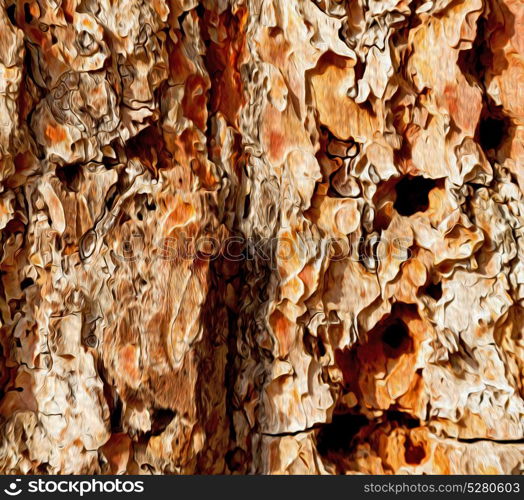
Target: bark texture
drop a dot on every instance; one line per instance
(261, 236)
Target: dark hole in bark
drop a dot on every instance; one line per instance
(473, 62)
(161, 418)
(27, 13)
(109, 162)
(235, 459)
(320, 346)
(396, 335)
(381, 221)
(414, 454)
(412, 195)
(116, 416)
(148, 140)
(434, 290)
(247, 205)
(338, 435)
(26, 282)
(492, 130)
(43, 468)
(200, 10)
(70, 176)
(11, 10)
(402, 419)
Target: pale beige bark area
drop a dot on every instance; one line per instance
(365, 158)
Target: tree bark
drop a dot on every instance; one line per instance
(261, 236)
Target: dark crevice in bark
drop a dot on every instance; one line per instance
(293, 433)
(433, 290)
(412, 194)
(494, 128)
(480, 440)
(160, 419)
(337, 436)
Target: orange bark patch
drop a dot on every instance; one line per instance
(117, 451)
(180, 66)
(441, 460)
(282, 132)
(128, 357)
(276, 143)
(194, 100)
(55, 133)
(283, 330)
(308, 275)
(180, 215)
(68, 7)
(464, 104)
(223, 60)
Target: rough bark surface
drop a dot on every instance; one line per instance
(261, 236)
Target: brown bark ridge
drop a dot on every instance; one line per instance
(261, 236)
